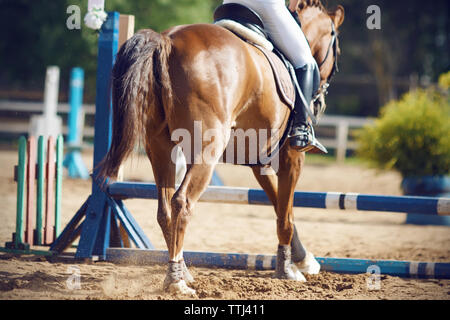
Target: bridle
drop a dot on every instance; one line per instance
(323, 89)
(333, 44)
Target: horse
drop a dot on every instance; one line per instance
(203, 74)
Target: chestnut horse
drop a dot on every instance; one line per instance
(204, 74)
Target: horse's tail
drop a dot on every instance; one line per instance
(140, 81)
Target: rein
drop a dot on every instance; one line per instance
(333, 44)
(323, 89)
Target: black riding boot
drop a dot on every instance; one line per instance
(302, 133)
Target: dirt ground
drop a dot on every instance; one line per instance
(236, 228)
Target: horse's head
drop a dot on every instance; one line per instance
(321, 29)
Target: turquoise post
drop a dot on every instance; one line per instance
(73, 161)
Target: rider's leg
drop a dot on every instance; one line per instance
(289, 38)
(302, 135)
(282, 28)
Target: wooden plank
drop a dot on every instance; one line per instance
(126, 31)
(126, 28)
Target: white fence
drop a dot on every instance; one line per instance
(340, 125)
(21, 126)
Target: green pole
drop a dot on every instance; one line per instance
(21, 173)
(40, 190)
(58, 186)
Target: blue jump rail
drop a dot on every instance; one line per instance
(324, 200)
(404, 269)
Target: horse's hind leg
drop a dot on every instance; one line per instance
(195, 182)
(159, 150)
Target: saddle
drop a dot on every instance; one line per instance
(247, 25)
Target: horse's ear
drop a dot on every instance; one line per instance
(338, 16)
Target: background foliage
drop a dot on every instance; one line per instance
(410, 50)
(412, 134)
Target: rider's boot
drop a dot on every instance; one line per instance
(302, 135)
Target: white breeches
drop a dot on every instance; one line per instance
(282, 28)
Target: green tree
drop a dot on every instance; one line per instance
(413, 40)
(34, 36)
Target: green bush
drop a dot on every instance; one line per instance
(444, 81)
(411, 135)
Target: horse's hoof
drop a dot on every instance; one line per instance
(298, 276)
(290, 273)
(285, 269)
(180, 287)
(176, 278)
(187, 275)
(309, 265)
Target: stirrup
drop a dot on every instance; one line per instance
(306, 141)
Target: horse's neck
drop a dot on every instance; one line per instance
(312, 26)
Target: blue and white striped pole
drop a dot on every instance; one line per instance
(406, 269)
(73, 161)
(324, 200)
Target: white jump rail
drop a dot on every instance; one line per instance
(341, 143)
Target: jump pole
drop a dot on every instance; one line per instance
(322, 200)
(405, 269)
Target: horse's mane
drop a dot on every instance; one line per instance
(303, 4)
